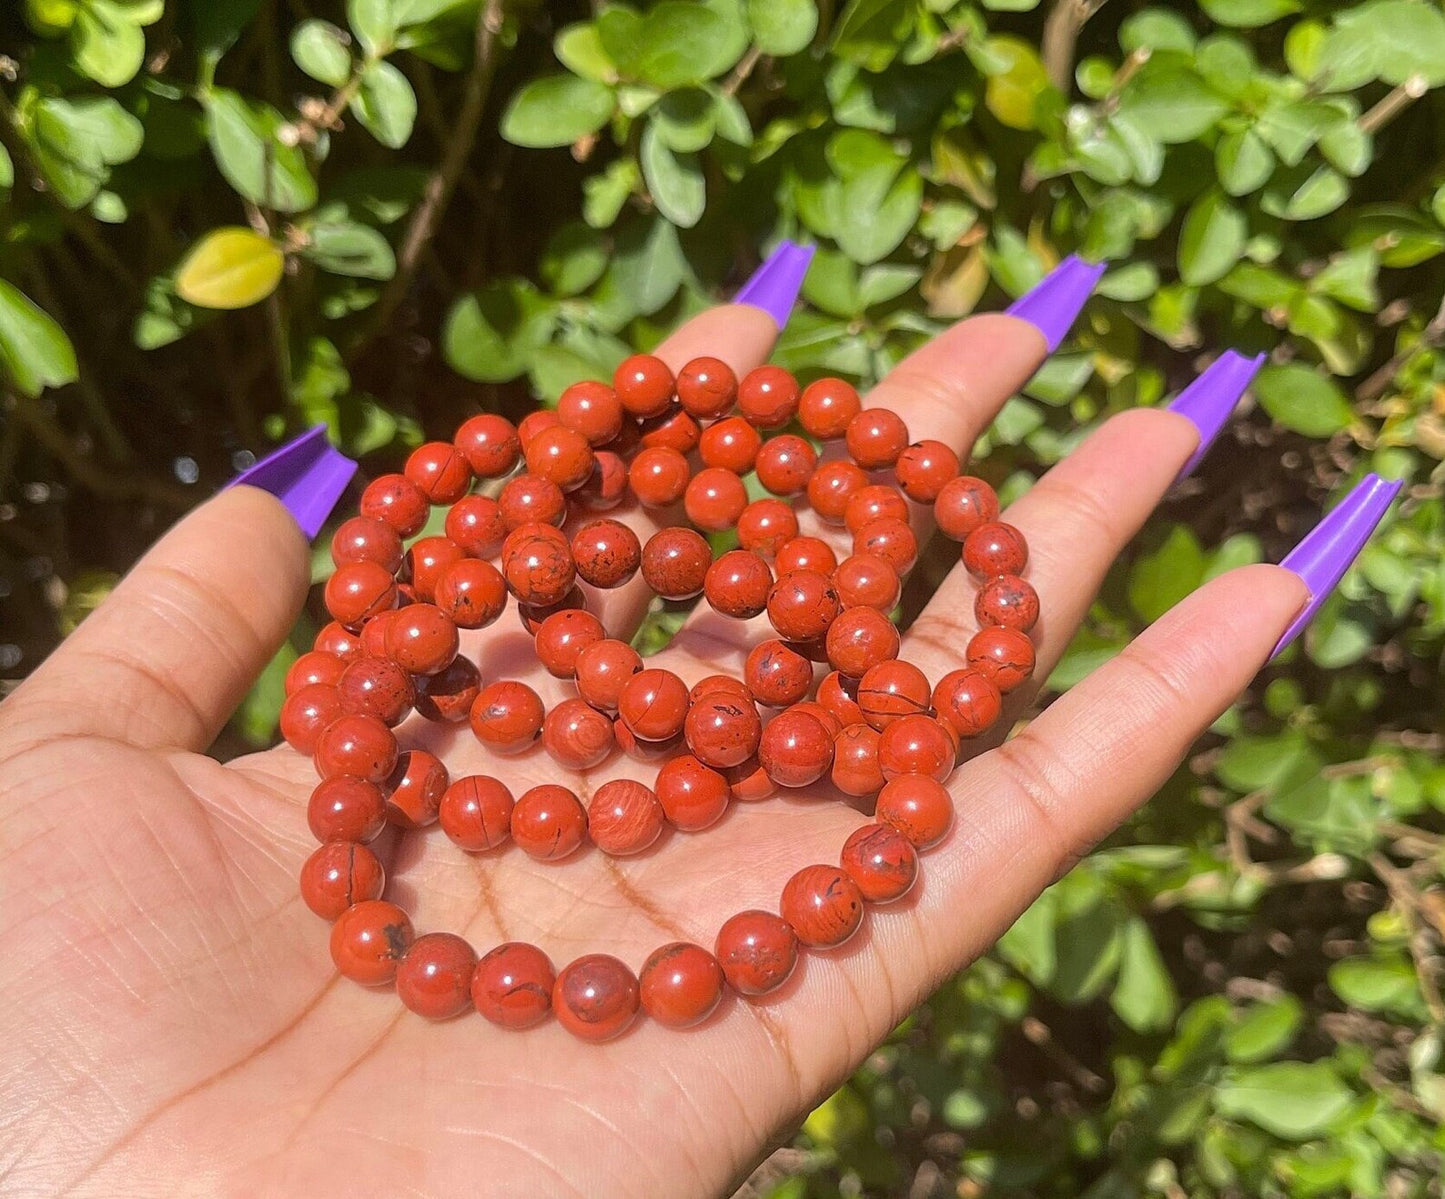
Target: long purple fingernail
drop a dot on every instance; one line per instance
(774, 286)
(1054, 304)
(1209, 400)
(1327, 551)
(308, 475)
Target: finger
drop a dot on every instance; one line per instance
(164, 661)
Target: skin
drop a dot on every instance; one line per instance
(174, 1021)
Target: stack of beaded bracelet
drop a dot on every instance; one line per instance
(875, 727)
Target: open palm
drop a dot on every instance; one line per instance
(177, 1025)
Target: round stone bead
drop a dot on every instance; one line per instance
(768, 397)
(590, 408)
(577, 735)
(358, 591)
(963, 504)
(916, 745)
(395, 500)
(658, 476)
(918, 807)
(802, 604)
(606, 486)
(827, 406)
(507, 717)
(334, 639)
(548, 822)
(865, 580)
(346, 809)
(714, 684)
(644, 384)
(561, 455)
(512, 985)
(435, 978)
(646, 751)
(595, 997)
(490, 444)
(823, 905)
(890, 690)
(439, 471)
(360, 746)
(366, 539)
(968, 701)
(1005, 655)
(531, 616)
(766, 525)
(531, 500)
(924, 468)
(832, 486)
(563, 636)
(537, 563)
(757, 952)
(427, 560)
(606, 553)
(624, 817)
(861, 638)
(675, 429)
(889, 539)
(855, 761)
(535, 422)
(707, 388)
(785, 463)
(750, 782)
(874, 502)
(830, 722)
(475, 524)
(732, 444)
(415, 789)
(653, 704)
(602, 670)
(881, 861)
(448, 695)
(372, 638)
(675, 563)
(840, 696)
(471, 593)
(421, 638)
(995, 549)
(339, 874)
(680, 984)
(369, 940)
(795, 749)
(307, 714)
(476, 812)
(715, 499)
(1007, 601)
(875, 438)
(776, 674)
(722, 730)
(805, 553)
(693, 796)
(737, 584)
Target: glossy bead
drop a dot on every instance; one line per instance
(358, 591)
(475, 524)
(507, 717)
(339, 641)
(658, 476)
(861, 638)
(644, 384)
(918, 807)
(360, 746)
(439, 471)
(535, 422)
(577, 736)
(395, 500)
(732, 444)
(777, 674)
(339, 874)
(561, 455)
(548, 822)
(715, 499)
(415, 789)
(875, 438)
(602, 669)
(606, 487)
(693, 796)
(707, 388)
(537, 563)
(653, 704)
(737, 584)
(595, 997)
(832, 486)
(435, 978)
(750, 782)
(831, 723)
(881, 861)
(874, 502)
(646, 751)
(840, 696)
(867, 580)
(563, 636)
(827, 406)
(680, 984)
(675, 562)
(448, 695)
(529, 500)
(1005, 655)
(765, 525)
(591, 409)
(719, 684)
(314, 666)
(795, 749)
(785, 464)
(805, 553)
(373, 634)
(674, 429)
(427, 560)
(855, 761)
(924, 468)
(822, 905)
(307, 713)
(471, 593)
(768, 397)
(1007, 601)
(490, 445)
(366, 539)
(757, 952)
(963, 504)
(890, 690)
(802, 604)
(722, 730)
(532, 615)
(475, 812)
(624, 817)
(512, 985)
(422, 639)
(968, 701)
(346, 809)
(995, 549)
(891, 540)
(376, 687)
(369, 940)
(916, 744)
(606, 553)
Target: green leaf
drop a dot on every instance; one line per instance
(1294, 127)
(1172, 103)
(231, 267)
(374, 23)
(782, 27)
(674, 180)
(323, 51)
(1319, 194)
(579, 48)
(1302, 399)
(604, 194)
(245, 140)
(491, 335)
(166, 318)
(76, 141)
(574, 259)
(1386, 983)
(1349, 277)
(871, 32)
(7, 169)
(684, 120)
(1160, 580)
(217, 24)
(1244, 162)
(1264, 1030)
(648, 264)
(34, 351)
(678, 42)
(385, 104)
(350, 248)
(1293, 1100)
(1013, 91)
(107, 42)
(556, 111)
(1211, 240)
(1144, 996)
(1029, 946)
(1407, 38)
(1248, 14)
(1156, 29)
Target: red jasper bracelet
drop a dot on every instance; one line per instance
(875, 726)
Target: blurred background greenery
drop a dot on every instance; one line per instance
(226, 220)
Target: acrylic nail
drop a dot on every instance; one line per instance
(308, 475)
(775, 285)
(1328, 550)
(1054, 305)
(1210, 400)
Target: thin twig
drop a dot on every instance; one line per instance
(1392, 105)
(1407, 899)
(1374, 386)
(1061, 33)
(742, 71)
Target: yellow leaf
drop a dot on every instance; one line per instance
(230, 268)
(1010, 94)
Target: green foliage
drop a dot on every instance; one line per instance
(250, 217)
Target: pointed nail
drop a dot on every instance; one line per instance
(1208, 402)
(308, 475)
(1054, 304)
(774, 286)
(1327, 551)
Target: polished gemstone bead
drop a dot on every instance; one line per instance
(916, 744)
(439, 471)
(530, 499)
(369, 940)
(865, 580)
(512, 985)
(881, 861)
(802, 604)
(475, 523)
(376, 687)
(476, 812)
(785, 463)
(874, 502)
(732, 444)
(577, 735)
(435, 977)
(339, 874)
(889, 539)
(776, 674)
(737, 584)
(334, 639)
(422, 638)
(653, 704)
(644, 384)
(693, 796)
(768, 397)
(563, 636)
(805, 553)
(561, 455)
(591, 409)
(757, 952)
(963, 504)
(490, 444)
(924, 468)
(603, 669)
(367, 539)
(471, 593)
(722, 730)
(606, 553)
(427, 560)
(840, 696)
(968, 701)
(360, 746)
(795, 749)
(606, 487)
(832, 486)
(714, 684)
(860, 638)
(658, 476)
(715, 499)
(308, 713)
(766, 525)
(707, 388)
(624, 817)
(890, 690)
(358, 591)
(823, 906)
(372, 638)
(1005, 655)
(830, 722)
(531, 616)
(507, 717)
(346, 809)
(680, 984)
(875, 438)
(995, 549)
(1007, 601)
(595, 997)
(675, 429)
(675, 562)
(537, 563)
(827, 406)
(749, 782)
(415, 789)
(855, 761)
(918, 807)
(395, 500)
(646, 751)
(448, 695)
(549, 822)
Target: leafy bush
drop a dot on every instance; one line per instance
(417, 206)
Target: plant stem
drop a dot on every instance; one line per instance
(1061, 35)
(1392, 105)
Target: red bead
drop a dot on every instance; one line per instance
(750, 782)
(373, 634)
(722, 730)
(606, 486)
(595, 997)
(624, 817)
(366, 539)
(855, 761)
(1005, 655)
(448, 695)
(507, 717)
(439, 471)
(732, 444)
(715, 499)
(435, 978)
(369, 940)
(307, 713)
(881, 861)
(529, 500)
(360, 746)
(512, 985)
(561, 455)
(658, 476)
(963, 504)
(474, 523)
(707, 387)
(719, 684)
(314, 666)
(606, 553)
(768, 397)
(395, 500)
(532, 615)
(840, 696)
(833, 484)
(577, 736)
(802, 604)
(776, 674)
(346, 809)
(1008, 601)
(831, 723)
(476, 812)
(874, 502)
(891, 540)
(796, 749)
(537, 563)
(823, 906)
(334, 639)
(737, 584)
(766, 525)
(358, 591)
(422, 639)
(890, 690)
(757, 952)
(415, 789)
(924, 468)
(866, 580)
(968, 701)
(918, 807)
(875, 438)
(603, 668)
(827, 406)
(376, 687)
(916, 745)
(859, 639)
(471, 593)
(785, 464)
(674, 429)
(548, 822)
(536, 422)
(591, 409)
(805, 553)
(426, 561)
(490, 445)
(680, 985)
(646, 751)
(644, 385)
(994, 549)
(563, 636)
(693, 796)
(675, 562)
(339, 874)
